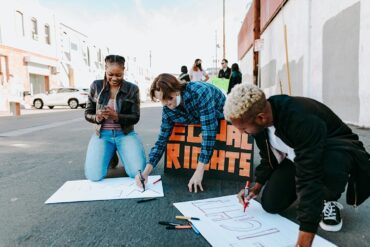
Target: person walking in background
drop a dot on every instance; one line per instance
(225, 71)
(197, 73)
(235, 78)
(114, 107)
(184, 76)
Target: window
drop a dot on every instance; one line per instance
(34, 29)
(52, 91)
(20, 23)
(84, 50)
(74, 46)
(67, 90)
(99, 56)
(66, 44)
(47, 34)
(88, 57)
(4, 70)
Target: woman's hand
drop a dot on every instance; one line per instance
(109, 113)
(197, 178)
(99, 116)
(148, 169)
(253, 192)
(138, 180)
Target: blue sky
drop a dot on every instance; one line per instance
(176, 31)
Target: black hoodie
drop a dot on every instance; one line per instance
(310, 127)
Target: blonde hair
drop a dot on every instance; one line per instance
(245, 101)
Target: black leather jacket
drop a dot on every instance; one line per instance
(127, 100)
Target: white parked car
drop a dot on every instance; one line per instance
(72, 97)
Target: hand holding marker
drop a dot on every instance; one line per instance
(246, 194)
(150, 199)
(142, 180)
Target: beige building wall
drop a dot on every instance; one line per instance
(25, 49)
(329, 50)
(39, 52)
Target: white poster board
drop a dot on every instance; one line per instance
(223, 223)
(106, 189)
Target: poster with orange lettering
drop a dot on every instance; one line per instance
(232, 156)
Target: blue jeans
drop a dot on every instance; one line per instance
(100, 151)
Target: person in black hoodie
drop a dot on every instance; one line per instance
(184, 76)
(307, 154)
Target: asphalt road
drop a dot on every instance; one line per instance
(39, 152)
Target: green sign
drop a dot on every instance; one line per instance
(221, 83)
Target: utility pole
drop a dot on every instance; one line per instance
(216, 48)
(223, 29)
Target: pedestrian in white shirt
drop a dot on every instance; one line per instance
(197, 73)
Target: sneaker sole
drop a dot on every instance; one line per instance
(331, 228)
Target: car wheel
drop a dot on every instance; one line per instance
(51, 106)
(38, 104)
(73, 103)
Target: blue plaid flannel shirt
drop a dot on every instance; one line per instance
(202, 104)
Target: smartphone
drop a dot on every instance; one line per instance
(103, 108)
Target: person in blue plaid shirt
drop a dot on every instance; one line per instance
(186, 103)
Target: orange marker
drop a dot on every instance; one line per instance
(180, 227)
(180, 217)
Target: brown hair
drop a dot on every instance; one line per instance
(167, 84)
(195, 65)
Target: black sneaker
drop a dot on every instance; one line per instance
(330, 218)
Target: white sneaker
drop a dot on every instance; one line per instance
(330, 219)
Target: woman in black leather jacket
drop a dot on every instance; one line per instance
(114, 107)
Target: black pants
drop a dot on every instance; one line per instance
(280, 190)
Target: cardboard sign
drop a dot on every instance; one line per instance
(232, 156)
